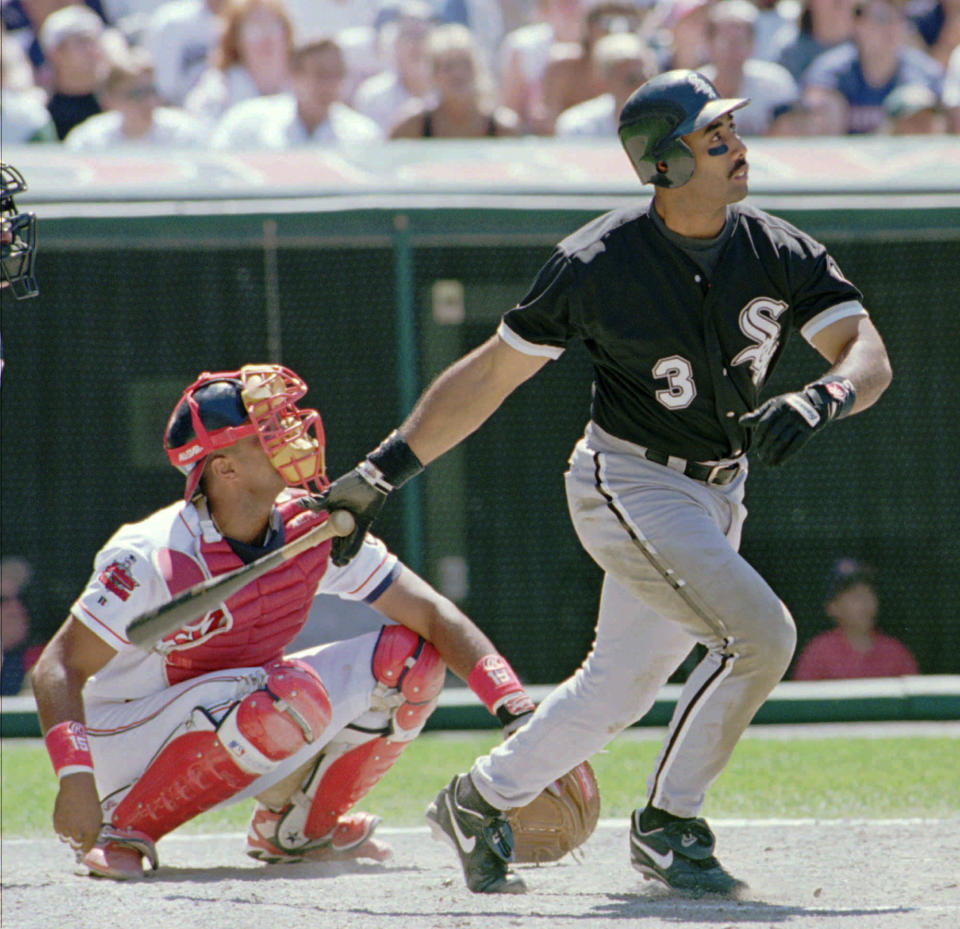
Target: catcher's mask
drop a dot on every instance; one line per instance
(658, 113)
(220, 408)
(19, 240)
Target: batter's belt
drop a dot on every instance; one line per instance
(709, 472)
(720, 473)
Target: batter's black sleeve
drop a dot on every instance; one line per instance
(543, 316)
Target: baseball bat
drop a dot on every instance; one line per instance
(148, 628)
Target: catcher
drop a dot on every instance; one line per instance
(216, 712)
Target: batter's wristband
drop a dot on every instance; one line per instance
(69, 749)
(499, 689)
(395, 460)
(840, 394)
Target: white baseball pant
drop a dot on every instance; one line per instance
(672, 577)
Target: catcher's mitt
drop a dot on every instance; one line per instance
(559, 820)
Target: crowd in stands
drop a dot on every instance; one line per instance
(277, 73)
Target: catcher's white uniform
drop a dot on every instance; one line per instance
(140, 700)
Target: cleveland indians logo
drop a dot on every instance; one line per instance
(758, 322)
(118, 579)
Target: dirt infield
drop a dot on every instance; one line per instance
(802, 875)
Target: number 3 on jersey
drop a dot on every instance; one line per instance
(681, 388)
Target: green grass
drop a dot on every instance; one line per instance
(766, 778)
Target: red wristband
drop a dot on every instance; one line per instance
(68, 748)
(497, 685)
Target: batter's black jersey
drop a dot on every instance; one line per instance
(679, 358)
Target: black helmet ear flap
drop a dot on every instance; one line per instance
(680, 164)
(645, 157)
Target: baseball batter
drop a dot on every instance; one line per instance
(685, 306)
(143, 741)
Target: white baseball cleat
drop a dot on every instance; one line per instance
(351, 838)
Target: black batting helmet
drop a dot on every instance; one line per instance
(19, 239)
(662, 110)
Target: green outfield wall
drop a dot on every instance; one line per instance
(367, 275)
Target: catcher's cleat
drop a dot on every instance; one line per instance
(479, 833)
(680, 854)
(351, 838)
(119, 854)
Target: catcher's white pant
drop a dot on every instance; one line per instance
(668, 547)
(125, 735)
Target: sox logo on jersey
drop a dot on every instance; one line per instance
(758, 322)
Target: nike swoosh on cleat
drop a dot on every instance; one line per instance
(466, 843)
(663, 861)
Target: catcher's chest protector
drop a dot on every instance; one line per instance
(261, 619)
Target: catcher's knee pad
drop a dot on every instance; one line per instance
(290, 710)
(408, 665)
(213, 761)
(409, 677)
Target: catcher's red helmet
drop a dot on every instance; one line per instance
(219, 408)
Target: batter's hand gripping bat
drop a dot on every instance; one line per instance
(150, 627)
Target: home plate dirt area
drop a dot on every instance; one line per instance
(831, 874)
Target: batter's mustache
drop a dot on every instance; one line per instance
(740, 163)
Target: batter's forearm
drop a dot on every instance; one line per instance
(865, 363)
(464, 396)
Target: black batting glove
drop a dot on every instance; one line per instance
(783, 424)
(364, 490)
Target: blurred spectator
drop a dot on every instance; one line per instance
(735, 73)
(914, 109)
(24, 105)
(678, 30)
(855, 648)
(462, 102)
(860, 75)
(938, 23)
(314, 113)
(823, 25)
(951, 91)
(181, 36)
(134, 115)
(524, 54)
(352, 24)
(384, 96)
(19, 654)
(800, 119)
(22, 19)
(624, 62)
(776, 23)
(484, 18)
(130, 16)
(315, 19)
(571, 76)
(70, 39)
(252, 58)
